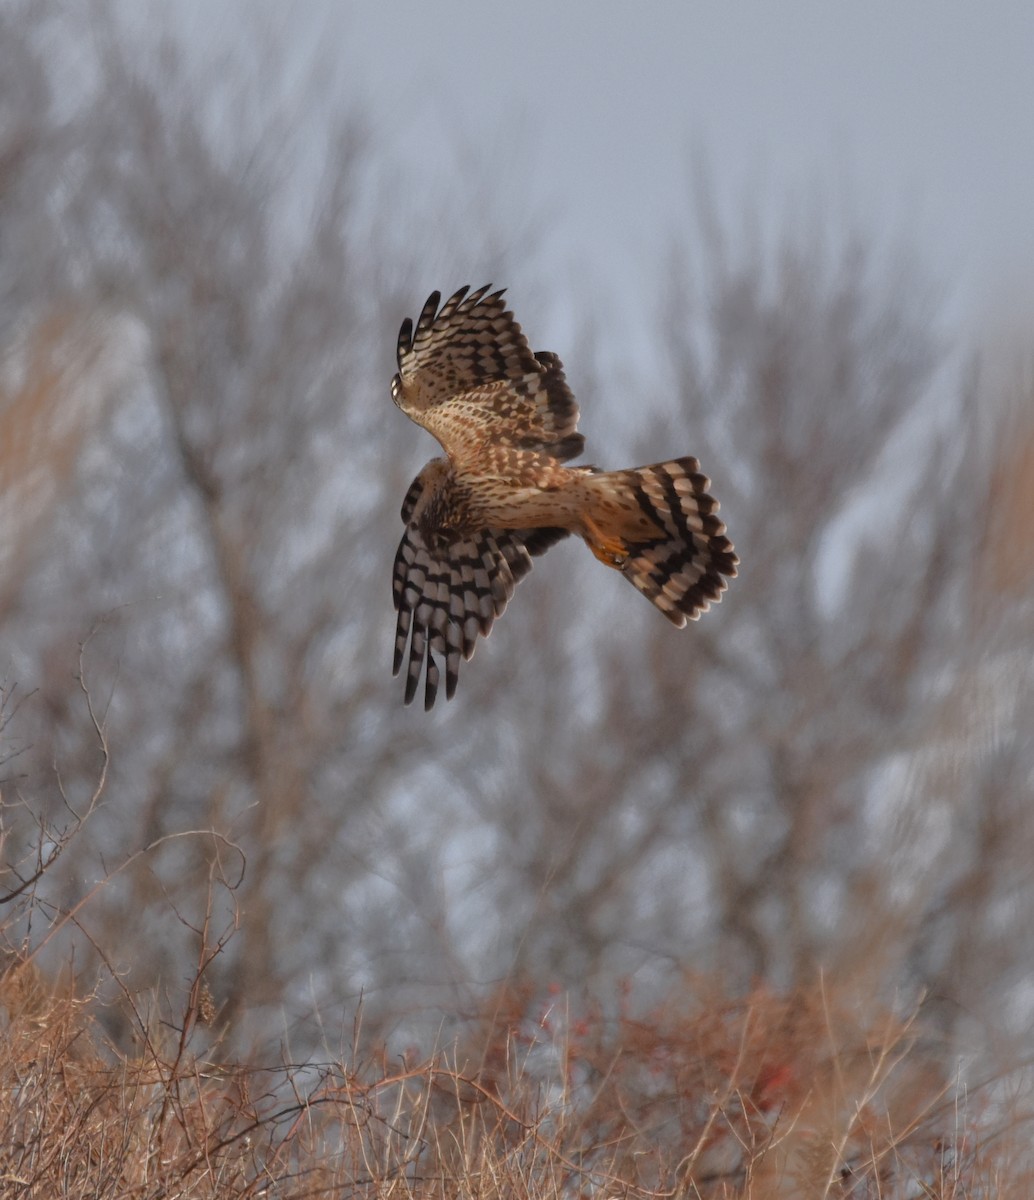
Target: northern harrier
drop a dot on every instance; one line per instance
(507, 422)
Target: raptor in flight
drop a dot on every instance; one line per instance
(474, 519)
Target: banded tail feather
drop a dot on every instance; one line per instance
(658, 525)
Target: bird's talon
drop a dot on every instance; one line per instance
(611, 554)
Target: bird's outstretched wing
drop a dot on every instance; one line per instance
(467, 375)
(448, 590)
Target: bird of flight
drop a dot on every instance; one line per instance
(474, 519)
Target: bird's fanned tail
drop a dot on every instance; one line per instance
(658, 525)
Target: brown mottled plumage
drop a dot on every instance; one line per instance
(507, 422)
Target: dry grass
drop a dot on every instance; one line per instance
(769, 1096)
(541, 1094)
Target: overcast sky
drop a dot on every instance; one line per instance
(915, 117)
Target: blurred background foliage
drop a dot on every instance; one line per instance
(200, 477)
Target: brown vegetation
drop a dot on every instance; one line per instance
(762, 1097)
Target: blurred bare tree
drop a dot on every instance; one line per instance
(831, 771)
(229, 516)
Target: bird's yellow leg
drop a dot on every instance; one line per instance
(610, 550)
